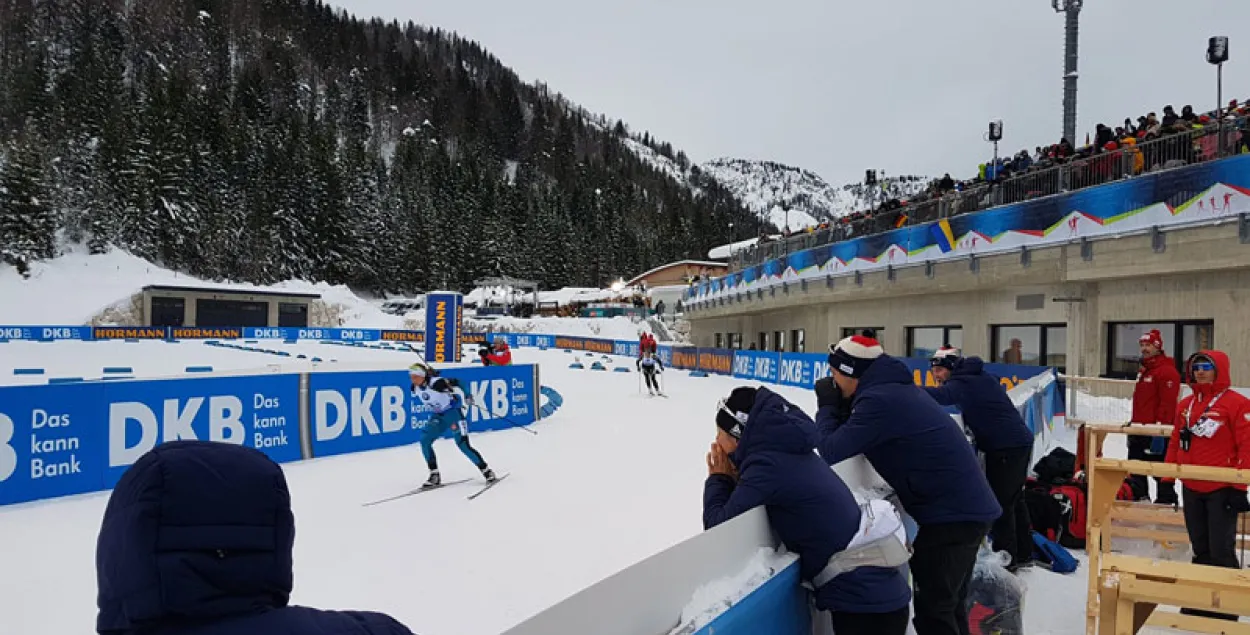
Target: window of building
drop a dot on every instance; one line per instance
(735, 341)
(763, 343)
(1180, 340)
(231, 313)
(720, 341)
(798, 341)
(168, 311)
(924, 341)
(1030, 345)
(779, 341)
(292, 314)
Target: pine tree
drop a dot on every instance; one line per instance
(27, 222)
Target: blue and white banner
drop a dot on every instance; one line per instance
(757, 365)
(45, 333)
(311, 333)
(354, 412)
(626, 348)
(73, 438)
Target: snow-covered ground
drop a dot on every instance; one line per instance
(613, 474)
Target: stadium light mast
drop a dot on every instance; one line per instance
(1072, 27)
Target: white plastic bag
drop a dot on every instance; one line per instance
(995, 596)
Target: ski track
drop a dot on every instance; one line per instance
(613, 477)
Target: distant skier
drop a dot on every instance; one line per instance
(444, 396)
(650, 366)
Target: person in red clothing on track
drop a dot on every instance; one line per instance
(1154, 401)
(497, 355)
(1212, 428)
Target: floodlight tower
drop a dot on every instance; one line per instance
(1072, 24)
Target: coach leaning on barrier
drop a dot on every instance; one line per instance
(871, 406)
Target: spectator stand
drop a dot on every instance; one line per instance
(1148, 146)
(1124, 590)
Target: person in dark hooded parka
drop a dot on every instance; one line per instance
(1000, 432)
(764, 455)
(871, 405)
(196, 540)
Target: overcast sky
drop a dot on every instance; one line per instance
(904, 86)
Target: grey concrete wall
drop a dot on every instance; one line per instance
(1200, 274)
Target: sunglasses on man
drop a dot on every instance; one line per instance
(1205, 367)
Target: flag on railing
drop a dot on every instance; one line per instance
(900, 221)
(943, 235)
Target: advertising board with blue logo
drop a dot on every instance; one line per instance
(358, 411)
(309, 333)
(45, 333)
(626, 348)
(756, 365)
(73, 438)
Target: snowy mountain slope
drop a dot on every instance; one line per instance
(770, 189)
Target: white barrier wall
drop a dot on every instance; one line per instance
(647, 598)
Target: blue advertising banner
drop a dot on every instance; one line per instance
(260, 411)
(66, 439)
(45, 333)
(666, 355)
(757, 365)
(802, 369)
(626, 348)
(336, 334)
(444, 317)
(358, 411)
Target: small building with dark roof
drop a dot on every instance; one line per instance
(207, 306)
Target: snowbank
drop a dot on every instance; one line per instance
(74, 288)
(714, 598)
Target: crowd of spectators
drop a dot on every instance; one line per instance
(1146, 145)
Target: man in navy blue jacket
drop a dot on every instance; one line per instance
(763, 456)
(197, 539)
(999, 432)
(871, 406)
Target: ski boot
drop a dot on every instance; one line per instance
(435, 480)
(489, 475)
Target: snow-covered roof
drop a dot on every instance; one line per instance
(679, 263)
(727, 251)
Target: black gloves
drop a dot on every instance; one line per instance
(827, 393)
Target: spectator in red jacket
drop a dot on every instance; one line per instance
(1154, 402)
(1212, 428)
(497, 355)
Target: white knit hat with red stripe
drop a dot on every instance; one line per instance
(853, 355)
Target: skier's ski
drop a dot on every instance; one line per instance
(419, 490)
(488, 486)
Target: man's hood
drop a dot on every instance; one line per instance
(194, 531)
(1223, 378)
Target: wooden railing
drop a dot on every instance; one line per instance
(1125, 590)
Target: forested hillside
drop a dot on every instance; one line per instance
(270, 139)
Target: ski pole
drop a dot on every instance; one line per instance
(523, 426)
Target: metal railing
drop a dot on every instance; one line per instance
(1171, 150)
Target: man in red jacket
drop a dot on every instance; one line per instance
(1212, 428)
(1154, 402)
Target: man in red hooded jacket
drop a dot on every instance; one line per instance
(1212, 428)
(1154, 401)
